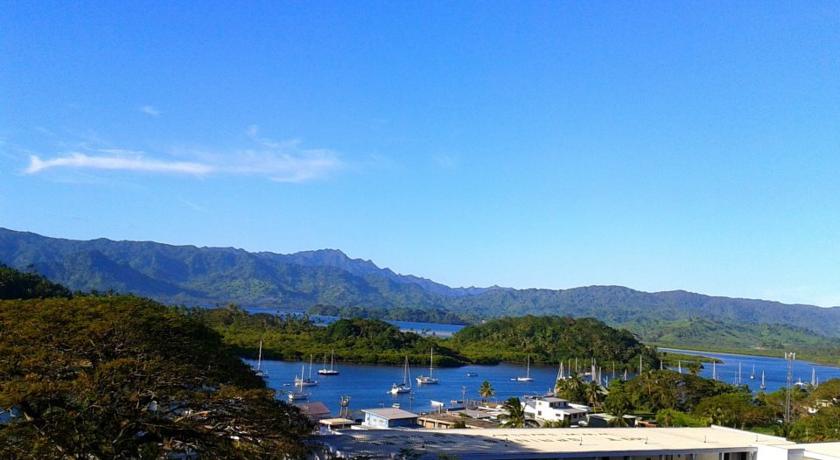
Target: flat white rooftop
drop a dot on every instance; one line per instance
(558, 442)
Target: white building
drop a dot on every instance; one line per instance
(389, 417)
(551, 409)
(713, 443)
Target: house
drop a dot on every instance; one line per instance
(389, 417)
(314, 411)
(453, 420)
(607, 420)
(333, 424)
(551, 409)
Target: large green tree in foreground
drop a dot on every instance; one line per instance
(124, 377)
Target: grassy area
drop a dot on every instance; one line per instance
(832, 360)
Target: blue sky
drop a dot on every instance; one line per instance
(657, 145)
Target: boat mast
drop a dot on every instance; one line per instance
(431, 361)
(528, 368)
(259, 357)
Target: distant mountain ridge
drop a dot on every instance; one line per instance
(210, 276)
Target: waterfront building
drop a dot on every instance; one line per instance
(389, 417)
(607, 420)
(453, 420)
(314, 411)
(335, 424)
(551, 409)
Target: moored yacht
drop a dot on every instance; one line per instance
(405, 386)
(259, 371)
(429, 379)
(304, 381)
(332, 370)
(527, 377)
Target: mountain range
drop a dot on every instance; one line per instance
(205, 276)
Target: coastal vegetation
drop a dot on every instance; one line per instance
(125, 377)
(294, 337)
(546, 340)
(423, 315)
(549, 339)
(677, 400)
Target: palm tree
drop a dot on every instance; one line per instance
(515, 416)
(571, 388)
(593, 393)
(486, 390)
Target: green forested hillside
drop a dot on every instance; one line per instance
(297, 338)
(545, 339)
(548, 339)
(213, 276)
(424, 315)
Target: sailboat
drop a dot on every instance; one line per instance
(405, 386)
(259, 371)
(752, 374)
(679, 366)
(331, 370)
(306, 381)
(299, 394)
(763, 385)
(527, 377)
(429, 379)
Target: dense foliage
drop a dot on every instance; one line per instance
(108, 377)
(297, 338)
(423, 315)
(549, 339)
(680, 400)
(19, 285)
(545, 339)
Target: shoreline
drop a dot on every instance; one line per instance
(835, 362)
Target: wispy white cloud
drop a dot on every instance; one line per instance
(150, 110)
(281, 161)
(136, 163)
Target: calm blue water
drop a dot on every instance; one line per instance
(368, 385)
(775, 369)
